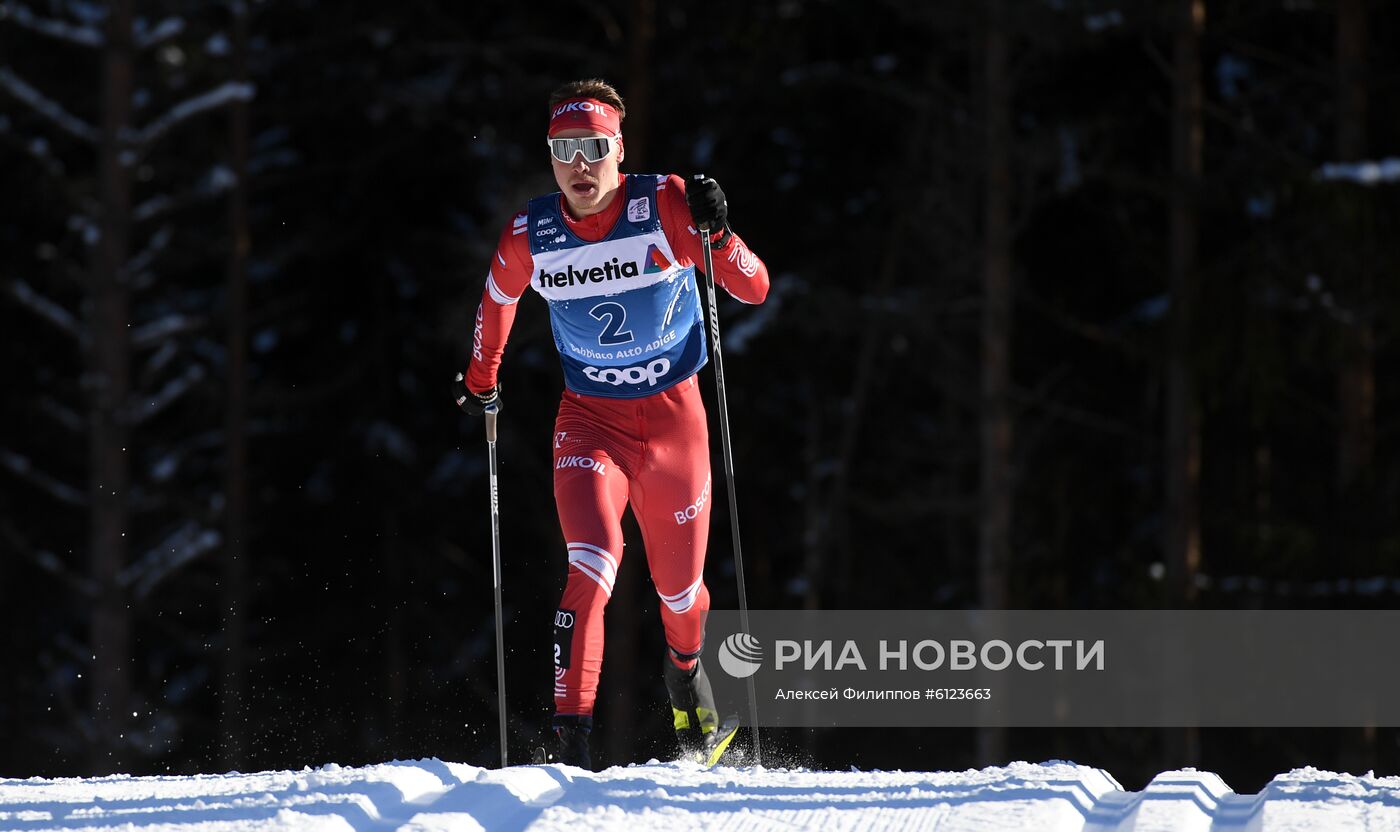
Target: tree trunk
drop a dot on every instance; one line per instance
(109, 361)
(232, 714)
(995, 505)
(817, 509)
(396, 659)
(1182, 530)
(1356, 385)
(637, 140)
(994, 521)
(1183, 450)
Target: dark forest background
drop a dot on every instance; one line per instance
(1075, 304)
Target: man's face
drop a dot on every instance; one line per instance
(588, 187)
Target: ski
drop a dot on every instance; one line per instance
(724, 735)
(715, 748)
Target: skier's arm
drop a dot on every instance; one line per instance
(505, 283)
(737, 269)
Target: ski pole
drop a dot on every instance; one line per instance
(492, 410)
(729, 472)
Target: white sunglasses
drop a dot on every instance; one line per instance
(593, 148)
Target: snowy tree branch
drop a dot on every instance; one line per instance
(148, 335)
(164, 30)
(179, 548)
(36, 148)
(153, 207)
(57, 29)
(158, 361)
(45, 560)
(185, 110)
(46, 309)
(62, 414)
(147, 256)
(147, 407)
(217, 181)
(23, 468)
(36, 100)
(1362, 173)
(86, 11)
(85, 228)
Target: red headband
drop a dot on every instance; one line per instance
(585, 112)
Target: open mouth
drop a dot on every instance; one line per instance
(584, 189)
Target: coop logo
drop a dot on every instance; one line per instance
(651, 373)
(610, 270)
(741, 655)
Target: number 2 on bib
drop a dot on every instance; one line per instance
(614, 316)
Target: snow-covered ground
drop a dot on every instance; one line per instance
(433, 795)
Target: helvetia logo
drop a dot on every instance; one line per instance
(741, 655)
(613, 269)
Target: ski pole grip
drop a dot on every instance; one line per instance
(491, 411)
(705, 227)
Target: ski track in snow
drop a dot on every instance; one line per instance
(431, 795)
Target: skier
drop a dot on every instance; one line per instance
(614, 256)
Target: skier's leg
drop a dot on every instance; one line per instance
(671, 498)
(590, 492)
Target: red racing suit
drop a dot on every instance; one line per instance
(623, 434)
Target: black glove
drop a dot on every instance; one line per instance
(708, 206)
(474, 404)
